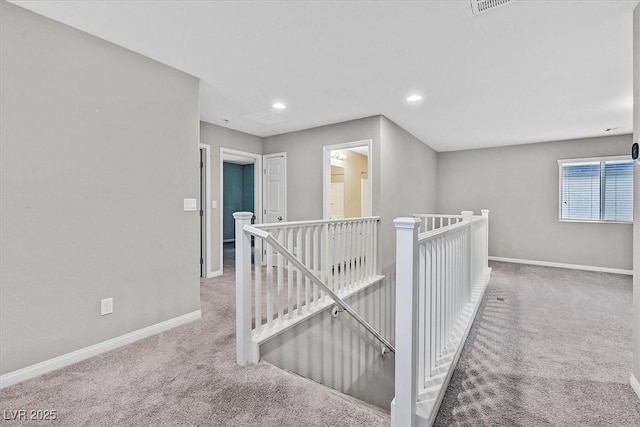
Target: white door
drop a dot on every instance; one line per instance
(275, 188)
(337, 200)
(364, 197)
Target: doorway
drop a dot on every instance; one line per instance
(205, 211)
(347, 180)
(240, 184)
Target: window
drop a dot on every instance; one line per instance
(599, 189)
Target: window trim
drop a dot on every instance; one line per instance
(586, 160)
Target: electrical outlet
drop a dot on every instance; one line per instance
(106, 306)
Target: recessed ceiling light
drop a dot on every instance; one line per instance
(279, 106)
(414, 98)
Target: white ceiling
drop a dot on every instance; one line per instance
(528, 71)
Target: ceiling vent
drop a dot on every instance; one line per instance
(479, 6)
(268, 117)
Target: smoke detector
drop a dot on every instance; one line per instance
(479, 6)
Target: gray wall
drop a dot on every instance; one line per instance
(519, 185)
(220, 137)
(99, 149)
(403, 175)
(304, 162)
(636, 195)
(408, 175)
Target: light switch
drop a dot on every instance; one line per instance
(214, 204)
(190, 205)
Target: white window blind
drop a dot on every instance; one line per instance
(618, 191)
(596, 189)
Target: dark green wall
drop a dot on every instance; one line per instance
(238, 194)
(247, 188)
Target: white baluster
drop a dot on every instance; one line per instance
(423, 336)
(359, 252)
(442, 295)
(317, 233)
(332, 257)
(433, 319)
(327, 262)
(366, 230)
(269, 271)
(258, 288)
(448, 274)
(280, 292)
(289, 233)
(458, 276)
(452, 319)
(337, 268)
(345, 255)
(349, 257)
(374, 245)
(312, 267)
(301, 255)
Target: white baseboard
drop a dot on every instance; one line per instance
(561, 265)
(84, 353)
(635, 385)
(214, 274)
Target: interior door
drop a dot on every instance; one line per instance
(364, 197)
(337, 200)
(275, 188)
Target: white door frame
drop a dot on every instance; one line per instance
(326, 172)
(257, 191)
(283, 154)
(205, 205)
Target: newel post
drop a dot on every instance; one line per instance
(485, 214)
(467, 216)
(406, 381)
(243, 288)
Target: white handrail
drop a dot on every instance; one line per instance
(315, 222)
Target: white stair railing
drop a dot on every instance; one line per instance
(300, 269)
(441, 275)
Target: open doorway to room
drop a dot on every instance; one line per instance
(240, 183)
(347, 180)
(204, 202)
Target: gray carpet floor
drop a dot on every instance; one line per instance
(186, 377)
(549, 347)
